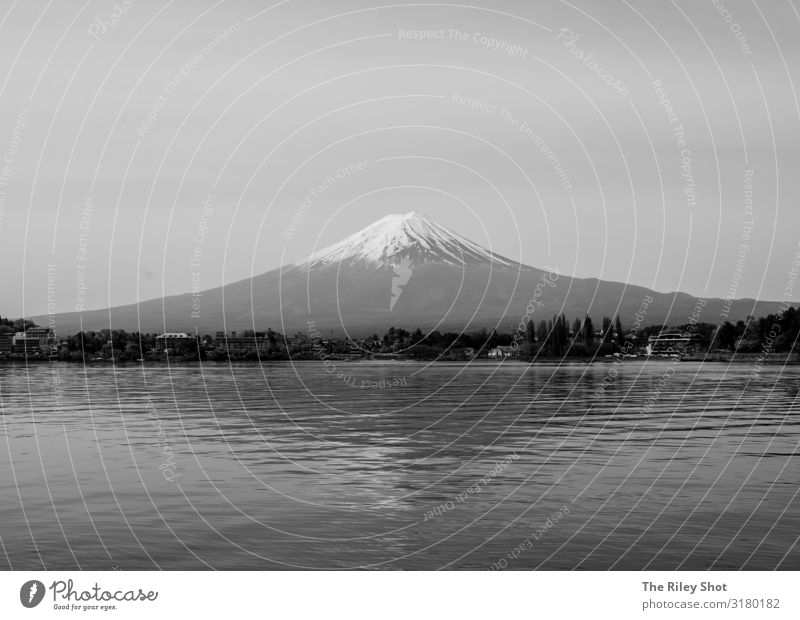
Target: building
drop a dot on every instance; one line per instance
(673, 343)
(33, 341)
(501, 352)
(357, 348)
(172, 342)
(243, 345)
(6, 342)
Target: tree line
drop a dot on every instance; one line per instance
(554, 338)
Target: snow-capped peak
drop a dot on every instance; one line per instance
(404, 235)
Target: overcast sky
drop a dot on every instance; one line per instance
(113, 165)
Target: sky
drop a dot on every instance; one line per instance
(153, 148)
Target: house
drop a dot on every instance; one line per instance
(500, 352)
(357, 348)
(673, 343)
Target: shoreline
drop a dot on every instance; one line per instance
(744, 358)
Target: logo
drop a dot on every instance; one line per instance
(402, 275)
(31, 593)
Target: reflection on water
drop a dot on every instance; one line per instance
(282, 466)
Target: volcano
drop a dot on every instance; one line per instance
(405, 270)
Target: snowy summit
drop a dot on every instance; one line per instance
(411, 236)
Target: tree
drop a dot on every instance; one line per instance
(435, 338)
(541, 336)
(607, 323)
(131, 351)
(564, 335)
(554, 335)
(620, 333)
(119, 338)
(21, 325)
(605, 343)
(402, 336)
(727, 335)
(530, 337)
(588, 333)
(557, 335)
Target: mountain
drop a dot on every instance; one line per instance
(405, 270)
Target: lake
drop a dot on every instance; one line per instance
(400, 465)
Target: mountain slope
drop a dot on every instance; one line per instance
(408, 271)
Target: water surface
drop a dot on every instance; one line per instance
(668, 466)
